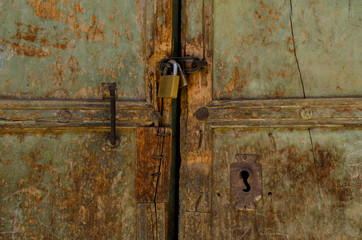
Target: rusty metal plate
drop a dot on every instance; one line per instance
(245, 182)
(153, 164)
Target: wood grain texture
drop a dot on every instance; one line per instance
(45, 113)
(151, 225)
(54, 55)
(328, 112)
(153, 165)
(196, 151)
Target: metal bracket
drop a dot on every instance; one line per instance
(245, 182)
(188, 64)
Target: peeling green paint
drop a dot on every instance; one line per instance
(255, 56)
(71, 47)
(62, 186)
(310, 187)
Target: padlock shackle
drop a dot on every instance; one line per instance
(175, 66)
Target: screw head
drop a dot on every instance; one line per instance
(202, 113)
(155, 117)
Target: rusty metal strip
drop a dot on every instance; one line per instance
(332, 112)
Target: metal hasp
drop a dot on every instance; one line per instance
(188, 64)
(245, 182)
(112, 99)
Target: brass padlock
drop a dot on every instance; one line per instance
(168, 86)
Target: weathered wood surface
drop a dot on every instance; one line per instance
(311, 184)
(327, 112)
(67, 186)
(70, 47)
(286, 48)
(196, 151)
(153, 165)
(151, 222)
(259, 50)
(71, 114)
(57, 54)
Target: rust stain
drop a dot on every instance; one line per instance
(25, 50)
(96, 31)
(109, 73)
(90, 201)
(73, 66)
(32, 159)
(35, 34)
(49, 9)
(29, 34)
(59, 71)
(239, 79)
(269, 18)
(73, 21)
(328, 160)
(24, 117)
(319, 172)
(46, 9)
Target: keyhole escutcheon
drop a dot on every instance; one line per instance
(245, 175)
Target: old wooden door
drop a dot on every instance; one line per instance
(283, 83)
(58, 177)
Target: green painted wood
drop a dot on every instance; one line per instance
(272, 49)
(67, 186)
(70, 47)
(58, 179)
(310, 184)
(304, 53)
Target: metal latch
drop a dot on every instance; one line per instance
(113, 139)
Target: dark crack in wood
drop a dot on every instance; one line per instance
(294, 46)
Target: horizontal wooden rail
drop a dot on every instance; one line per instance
(323, 112)
(64, 114)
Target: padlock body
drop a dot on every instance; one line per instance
(168, 86)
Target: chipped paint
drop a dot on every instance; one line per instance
(66, 196)
(304, 53)
(285, 45)
(44, 35)
(306, 186)
(57, 178)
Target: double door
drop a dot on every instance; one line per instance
(266, 140)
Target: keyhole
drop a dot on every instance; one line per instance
(245, 175)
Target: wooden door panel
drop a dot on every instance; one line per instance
(67, 186)
(310, 184)
(283, 80)
(58, 178)
(71, 47)
(272, 49)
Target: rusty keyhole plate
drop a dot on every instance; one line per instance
(245, 181)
